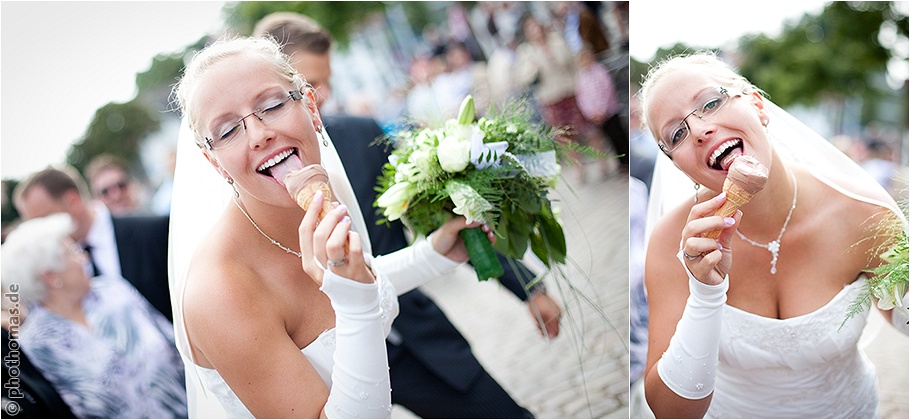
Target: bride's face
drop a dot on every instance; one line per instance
(704, 124)
(248, 147)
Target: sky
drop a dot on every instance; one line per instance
(707, 23)
(63, 60)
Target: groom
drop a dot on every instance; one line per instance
(432, 369)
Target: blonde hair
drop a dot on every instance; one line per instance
(709, 63)
(32, 249)
(265, 49)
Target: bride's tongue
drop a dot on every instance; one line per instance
(727, 159)
(723, 156)
(291, 164)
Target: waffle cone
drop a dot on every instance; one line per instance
(305, 196)
(736, 198)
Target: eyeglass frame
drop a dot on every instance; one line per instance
(293, 95)
(684, 121)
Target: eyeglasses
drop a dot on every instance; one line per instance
(271, 111)
(710, 102)
(120, 185)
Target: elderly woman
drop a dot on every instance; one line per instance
(98, 341)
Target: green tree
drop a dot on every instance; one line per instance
(339, 18)
(831, 56)
(117, 129)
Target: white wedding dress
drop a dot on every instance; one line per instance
(796, 367)
(800, 367)
(320, 354)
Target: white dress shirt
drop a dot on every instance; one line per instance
(103, 242)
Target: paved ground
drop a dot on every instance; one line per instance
(890, 352)
(584, 372)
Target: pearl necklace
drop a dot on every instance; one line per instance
(774, 246)
(274, 242)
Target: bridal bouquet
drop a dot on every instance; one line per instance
(497, 171)
(889, 282)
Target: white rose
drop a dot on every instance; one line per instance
(454, 154)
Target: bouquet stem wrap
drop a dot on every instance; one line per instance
(483, 257)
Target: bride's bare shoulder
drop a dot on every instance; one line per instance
(223, 287)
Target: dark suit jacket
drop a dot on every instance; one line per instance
(142, 247)
(425, 330)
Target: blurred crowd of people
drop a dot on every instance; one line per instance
(569, 59)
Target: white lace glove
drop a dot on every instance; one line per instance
(360, 376)
(413, 266)
(899, 318)
(689, 366)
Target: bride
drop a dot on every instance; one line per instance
(754, 332)
(278, 314)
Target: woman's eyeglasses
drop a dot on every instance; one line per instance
(709, 103)
(268, 113)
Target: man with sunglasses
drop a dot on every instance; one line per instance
(109, 178)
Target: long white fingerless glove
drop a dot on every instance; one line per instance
(413, 266)
(360, 376)
(689, 366)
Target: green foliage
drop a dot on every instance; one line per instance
(833, 55)
(164, 72)
(890, 280)
(340, 19)
(117, 129)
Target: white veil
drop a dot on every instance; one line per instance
(794, 142)
(199, 197)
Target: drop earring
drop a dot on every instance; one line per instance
(321, 135)
(230, 182)
(697, 187)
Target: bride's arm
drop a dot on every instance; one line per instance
(684, 316)
(426, 259)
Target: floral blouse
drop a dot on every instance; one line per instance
(125, 365)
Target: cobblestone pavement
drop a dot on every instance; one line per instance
(584, 372)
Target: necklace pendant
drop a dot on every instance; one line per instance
(774, 247)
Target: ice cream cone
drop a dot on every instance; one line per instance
(736, 198)
(302, 185)
(305, 197)
(746, 176)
